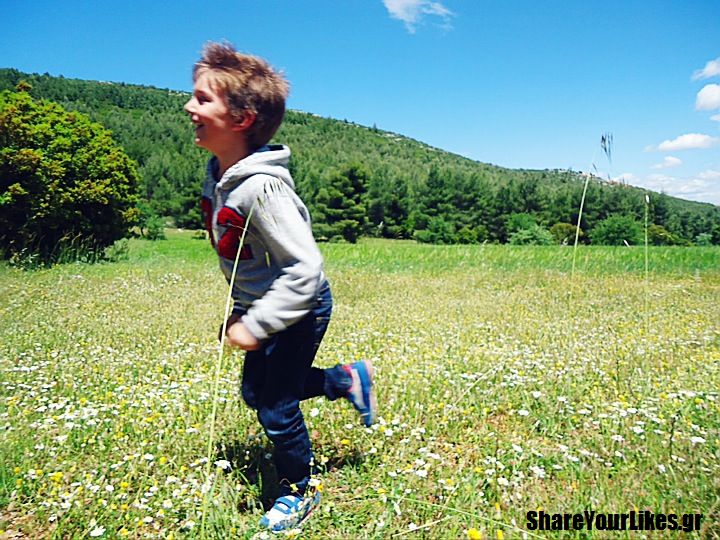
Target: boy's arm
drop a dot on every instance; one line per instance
(290, 243)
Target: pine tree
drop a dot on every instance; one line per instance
(338, 208)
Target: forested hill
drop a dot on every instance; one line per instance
(364, 181)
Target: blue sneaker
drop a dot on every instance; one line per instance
(361, 393)
(289, 512)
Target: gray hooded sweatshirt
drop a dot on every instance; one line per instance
(280, 268)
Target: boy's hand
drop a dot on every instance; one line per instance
(232, 319)
(239, 336)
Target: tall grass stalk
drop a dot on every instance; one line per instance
(216, 381)
(647, 267)
(606, 145)
(577, 229)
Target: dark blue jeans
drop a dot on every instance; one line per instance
(280, 375)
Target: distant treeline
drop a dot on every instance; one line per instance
(360, 181)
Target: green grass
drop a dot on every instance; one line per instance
(504, 387)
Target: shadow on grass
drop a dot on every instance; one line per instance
(252, 460)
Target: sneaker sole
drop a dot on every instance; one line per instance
(313, 506)
(372, 399)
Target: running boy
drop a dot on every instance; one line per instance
(282, 300)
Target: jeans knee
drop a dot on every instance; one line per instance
(281, 422)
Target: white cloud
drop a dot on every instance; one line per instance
(709, 175)
(708, 98)
(658, 182)
(715, 117)
(711, 69)
(704, 187)
(411, 12)
(667, 163)
(659, 177)
(688, 141)
(698, 189)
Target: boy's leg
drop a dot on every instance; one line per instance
(286, 359)
(334, 382)
(351, 381)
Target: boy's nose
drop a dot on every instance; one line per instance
(188, 106)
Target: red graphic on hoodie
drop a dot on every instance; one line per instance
(206, 208)
(229, 242)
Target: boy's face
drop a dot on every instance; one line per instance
(215, 128)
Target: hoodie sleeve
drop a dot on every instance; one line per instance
(287, 235)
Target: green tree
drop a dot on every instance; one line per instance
(64, 183)
(387, 207)
(616, 230)
(519, 221)
(338, 208)
(407, 182)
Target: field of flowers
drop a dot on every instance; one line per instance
(505, 383)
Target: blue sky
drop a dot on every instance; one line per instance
(518, 83)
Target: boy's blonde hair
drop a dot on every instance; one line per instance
(249, 84)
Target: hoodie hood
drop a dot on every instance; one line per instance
(271, 160)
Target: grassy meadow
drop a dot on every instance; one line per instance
(505, 385)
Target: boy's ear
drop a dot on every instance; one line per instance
(243, 123)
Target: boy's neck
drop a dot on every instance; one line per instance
(230, 157)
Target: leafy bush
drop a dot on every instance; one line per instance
(119, 251)
(67, 191)
(535, 235)
(469, 235)
(155, 228)
(564, 233)
(439, 231)
(660, 236)
(616, 230)
(703, 239)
